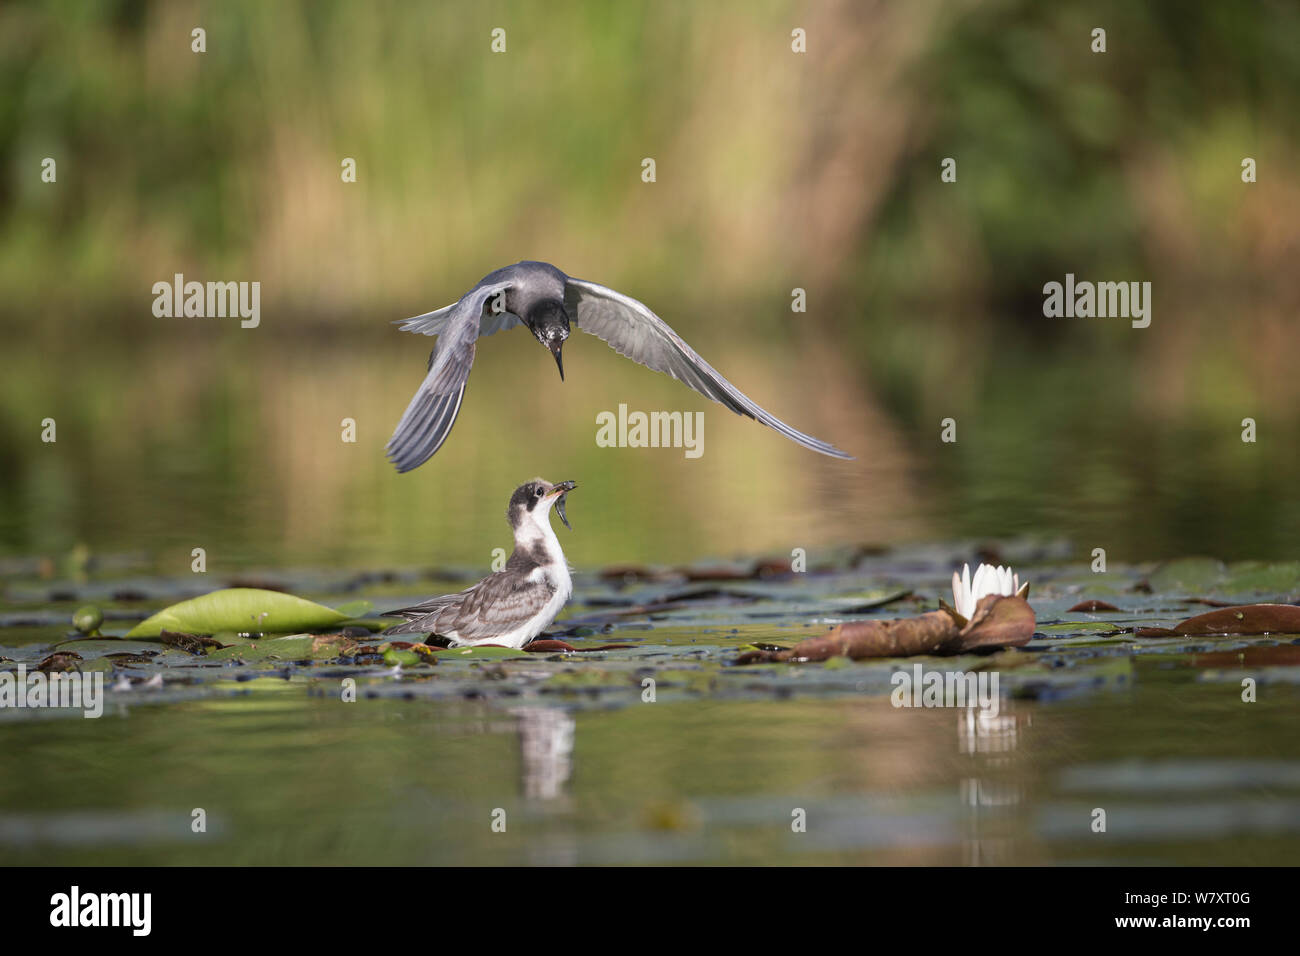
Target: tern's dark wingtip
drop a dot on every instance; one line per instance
(830, 451)
(401, 466)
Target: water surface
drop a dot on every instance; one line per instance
(568, 752)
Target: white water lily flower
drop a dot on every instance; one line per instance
(967, 591)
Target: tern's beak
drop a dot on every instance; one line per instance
(555, 348)
(558, 492)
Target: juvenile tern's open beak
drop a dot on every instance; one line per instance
(559, 491)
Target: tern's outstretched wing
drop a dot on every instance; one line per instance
(428, 418)
(433, 323)
(631, 329)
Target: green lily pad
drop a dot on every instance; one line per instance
(228, 638)
(1187, 575)
(294, 647)
(375, 624)
(356, 609)
(1078, 627)
(91, 647)
(241, 609)
(1281, 577)
(478, 653)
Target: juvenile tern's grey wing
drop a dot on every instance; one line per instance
(421, 618)
(632, 330)
(428, 418)
(496, 605)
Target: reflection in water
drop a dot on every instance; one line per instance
(979, 732)
(303, 780)
(246, 457)
(546, 745)
(992, 796)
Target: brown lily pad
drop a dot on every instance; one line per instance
(716, 574)
(548, 646)
(60, 661)
(195, 644)
(127, 659)
(1093, 606)
(1243, 619)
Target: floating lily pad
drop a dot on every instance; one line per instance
(296, 647)
(478, 653)
(356, 609)
(89, 647)
(1188, 575)
(1093, 605)
(1243, 619)
(1078, 627)
(241, 609)
(1282, 577)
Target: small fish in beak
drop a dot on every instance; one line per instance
(562, 489)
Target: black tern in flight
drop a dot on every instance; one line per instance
(511, 606)
(540, 296)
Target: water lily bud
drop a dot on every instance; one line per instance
(87, 619)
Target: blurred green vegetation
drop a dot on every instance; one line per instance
(774, 170)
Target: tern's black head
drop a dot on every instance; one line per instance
(536, 498)
(550, 324)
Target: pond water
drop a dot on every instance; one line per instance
(496, 756)
(186, 439)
